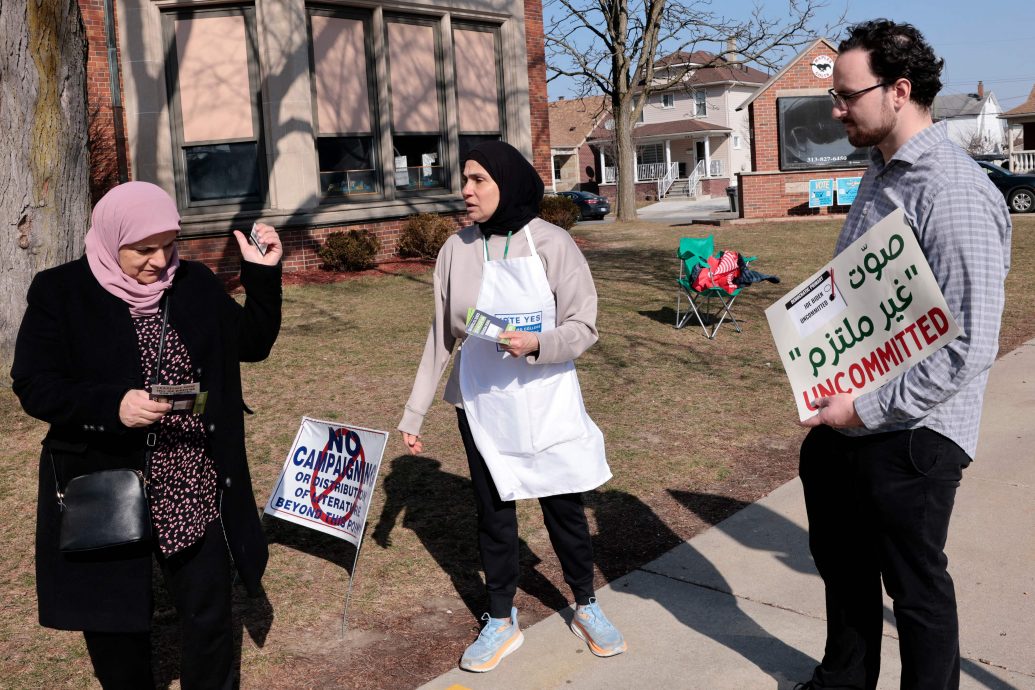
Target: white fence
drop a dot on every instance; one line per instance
(1022, 161)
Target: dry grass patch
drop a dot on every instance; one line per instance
(695, 428)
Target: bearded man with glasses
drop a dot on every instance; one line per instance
(880, 470)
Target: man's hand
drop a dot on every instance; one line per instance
(837, 411)
(137, 409)
(520, 343)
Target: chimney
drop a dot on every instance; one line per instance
(731, 49)
(981, 90)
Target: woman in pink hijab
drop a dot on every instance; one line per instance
(100, 338)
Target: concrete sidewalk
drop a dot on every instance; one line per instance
(741, 606)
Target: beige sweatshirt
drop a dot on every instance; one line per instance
(458, 278)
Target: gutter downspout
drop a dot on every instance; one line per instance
(116, 93)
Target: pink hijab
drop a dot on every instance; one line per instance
(129, 213)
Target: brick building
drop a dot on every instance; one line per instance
(310, 117)
(795, 139)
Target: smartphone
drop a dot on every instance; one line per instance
(254, 237)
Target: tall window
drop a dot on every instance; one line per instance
(416, 105)
(650, 153)
(476, 51)
(668, 100)
(213, 82)
(342, 100)
(700, 104)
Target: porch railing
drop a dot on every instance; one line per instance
(695, 179)
(610, 174)
(646, 172)
(667, 179)
(1022, 161)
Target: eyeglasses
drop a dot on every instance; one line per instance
(841, 100)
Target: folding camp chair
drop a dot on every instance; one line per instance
(693, 252)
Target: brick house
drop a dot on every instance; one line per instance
(795, 139)
(575, 160)
(313, 118)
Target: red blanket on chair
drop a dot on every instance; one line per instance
(724, 270)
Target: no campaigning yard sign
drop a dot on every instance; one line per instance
(873, 312)
(328, 478)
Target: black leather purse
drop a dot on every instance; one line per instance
(108, 508)
(103, 509)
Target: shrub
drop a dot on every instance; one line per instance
(423, 235)
(559, 210)
(349, 251)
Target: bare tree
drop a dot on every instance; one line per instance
(615, 47)
(44, 189)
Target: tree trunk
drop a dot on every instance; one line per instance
(44, 190)
(626, 187)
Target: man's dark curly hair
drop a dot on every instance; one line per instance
(898, 51)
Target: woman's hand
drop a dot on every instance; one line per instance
(268, 236)
(137, 409)
(520, 343)
(413, 443)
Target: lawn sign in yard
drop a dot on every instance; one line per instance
(874, 311)
(328, 480)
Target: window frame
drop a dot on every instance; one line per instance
(700, 103)
(187, 207)
(366, 17)
(501, 101)
(445, 152)
(668, 100)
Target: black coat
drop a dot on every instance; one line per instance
(75, 357)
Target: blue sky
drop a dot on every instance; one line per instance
(989, 40)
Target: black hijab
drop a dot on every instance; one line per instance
(521, 188)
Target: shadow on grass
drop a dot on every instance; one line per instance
(253, 615)
(439, 508)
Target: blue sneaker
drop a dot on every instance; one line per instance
(497, 639)
(590, 623)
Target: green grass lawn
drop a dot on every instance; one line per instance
(695, 430)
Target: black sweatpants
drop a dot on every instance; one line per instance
(565, 519)
(879, 509)
(199, 580)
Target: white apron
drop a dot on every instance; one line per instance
(528, 421)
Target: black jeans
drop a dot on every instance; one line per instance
(879, 508)
(199, 580)
(565, 519)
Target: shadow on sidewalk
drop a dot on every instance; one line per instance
(624, 522)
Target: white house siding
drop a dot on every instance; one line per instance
(985, 129)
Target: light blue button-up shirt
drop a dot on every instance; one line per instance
(963, 226)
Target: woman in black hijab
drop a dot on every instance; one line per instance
(519, 406)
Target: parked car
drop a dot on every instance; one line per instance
(590, 205)
(1019, 190)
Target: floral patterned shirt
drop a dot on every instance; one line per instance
(182, 485)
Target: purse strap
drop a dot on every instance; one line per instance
(152, 437)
